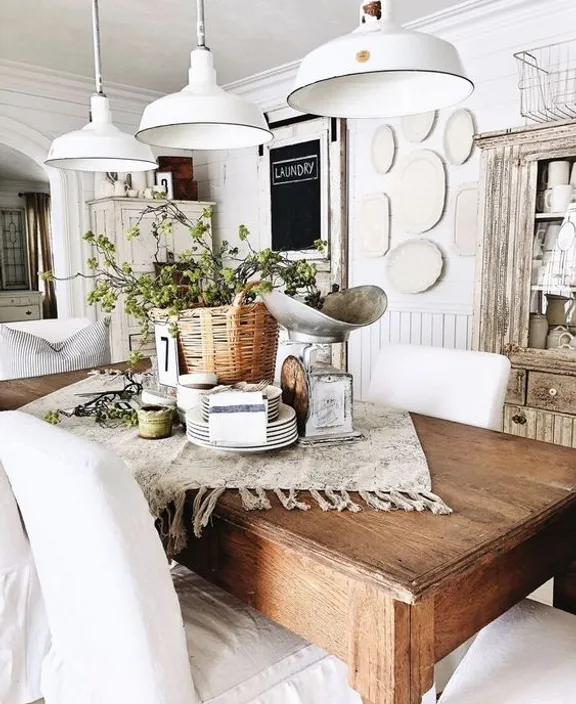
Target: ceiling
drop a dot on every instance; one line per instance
(15, 166)
(146, 43)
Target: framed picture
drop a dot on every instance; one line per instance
(164, 179)
(302, 184)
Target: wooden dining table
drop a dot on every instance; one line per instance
(393, 593)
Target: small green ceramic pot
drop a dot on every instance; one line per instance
(155, 422)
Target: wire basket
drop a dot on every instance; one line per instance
(548, 82)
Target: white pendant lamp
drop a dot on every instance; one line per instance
(100, 145)
(202, 115)
(380, 70)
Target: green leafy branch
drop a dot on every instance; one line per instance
(203, 276)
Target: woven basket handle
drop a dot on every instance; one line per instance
(240, 298)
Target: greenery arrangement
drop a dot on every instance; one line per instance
(203, 275)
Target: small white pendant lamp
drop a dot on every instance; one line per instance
(202, 115)
(100, 145)
(380, 70)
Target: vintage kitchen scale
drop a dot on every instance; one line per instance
(321, 394)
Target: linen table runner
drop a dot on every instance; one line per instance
(387, 470)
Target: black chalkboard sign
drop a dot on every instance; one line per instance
(295, 194)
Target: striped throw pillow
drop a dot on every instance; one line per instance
(24, 355)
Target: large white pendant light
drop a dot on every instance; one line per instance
(202, 115)
(100, 145)
(380, 70)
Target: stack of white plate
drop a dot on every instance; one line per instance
(280, 432)
(273, 394)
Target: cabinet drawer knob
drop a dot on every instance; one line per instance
(28, 312)
(553, 392)
(519, 419)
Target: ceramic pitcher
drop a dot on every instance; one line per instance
(556, 310)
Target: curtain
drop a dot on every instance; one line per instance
(39, 241)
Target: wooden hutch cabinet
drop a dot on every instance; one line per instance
(526, 277)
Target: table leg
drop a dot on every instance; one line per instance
(390, 647)
(565, 590)
(428, 698)
(387, 644)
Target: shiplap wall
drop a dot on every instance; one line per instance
(487, 33)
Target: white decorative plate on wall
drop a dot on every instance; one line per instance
(466, 219)
(420, 191)
(414, 266)
(459, 137)
(417, 127)
(374, 224)
(383, 149)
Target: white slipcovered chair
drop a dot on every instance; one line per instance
(457, 385)
(527, 656)
(117, 631)
(24, 633)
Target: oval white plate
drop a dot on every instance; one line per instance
(250, 450)
(466, 220)
(459, 137)
(383, 149)
(414, 266)
(420, 192)
(374, 224)
(417, 128)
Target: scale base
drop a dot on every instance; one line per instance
(335, 439)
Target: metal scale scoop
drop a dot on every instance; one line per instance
(321, 394)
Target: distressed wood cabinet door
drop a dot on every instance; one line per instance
(542, 390)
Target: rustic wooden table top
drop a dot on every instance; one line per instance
(502, 489)
(393, 593)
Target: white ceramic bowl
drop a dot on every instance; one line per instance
(149, 398)
(199, 380)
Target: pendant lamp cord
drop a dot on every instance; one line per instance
(96, 38)
(200, 27)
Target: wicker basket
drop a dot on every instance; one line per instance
(238, 342)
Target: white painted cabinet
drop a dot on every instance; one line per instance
(113, 217)
(16, 306)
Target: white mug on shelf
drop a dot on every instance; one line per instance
(558, 173)
(558, 198)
